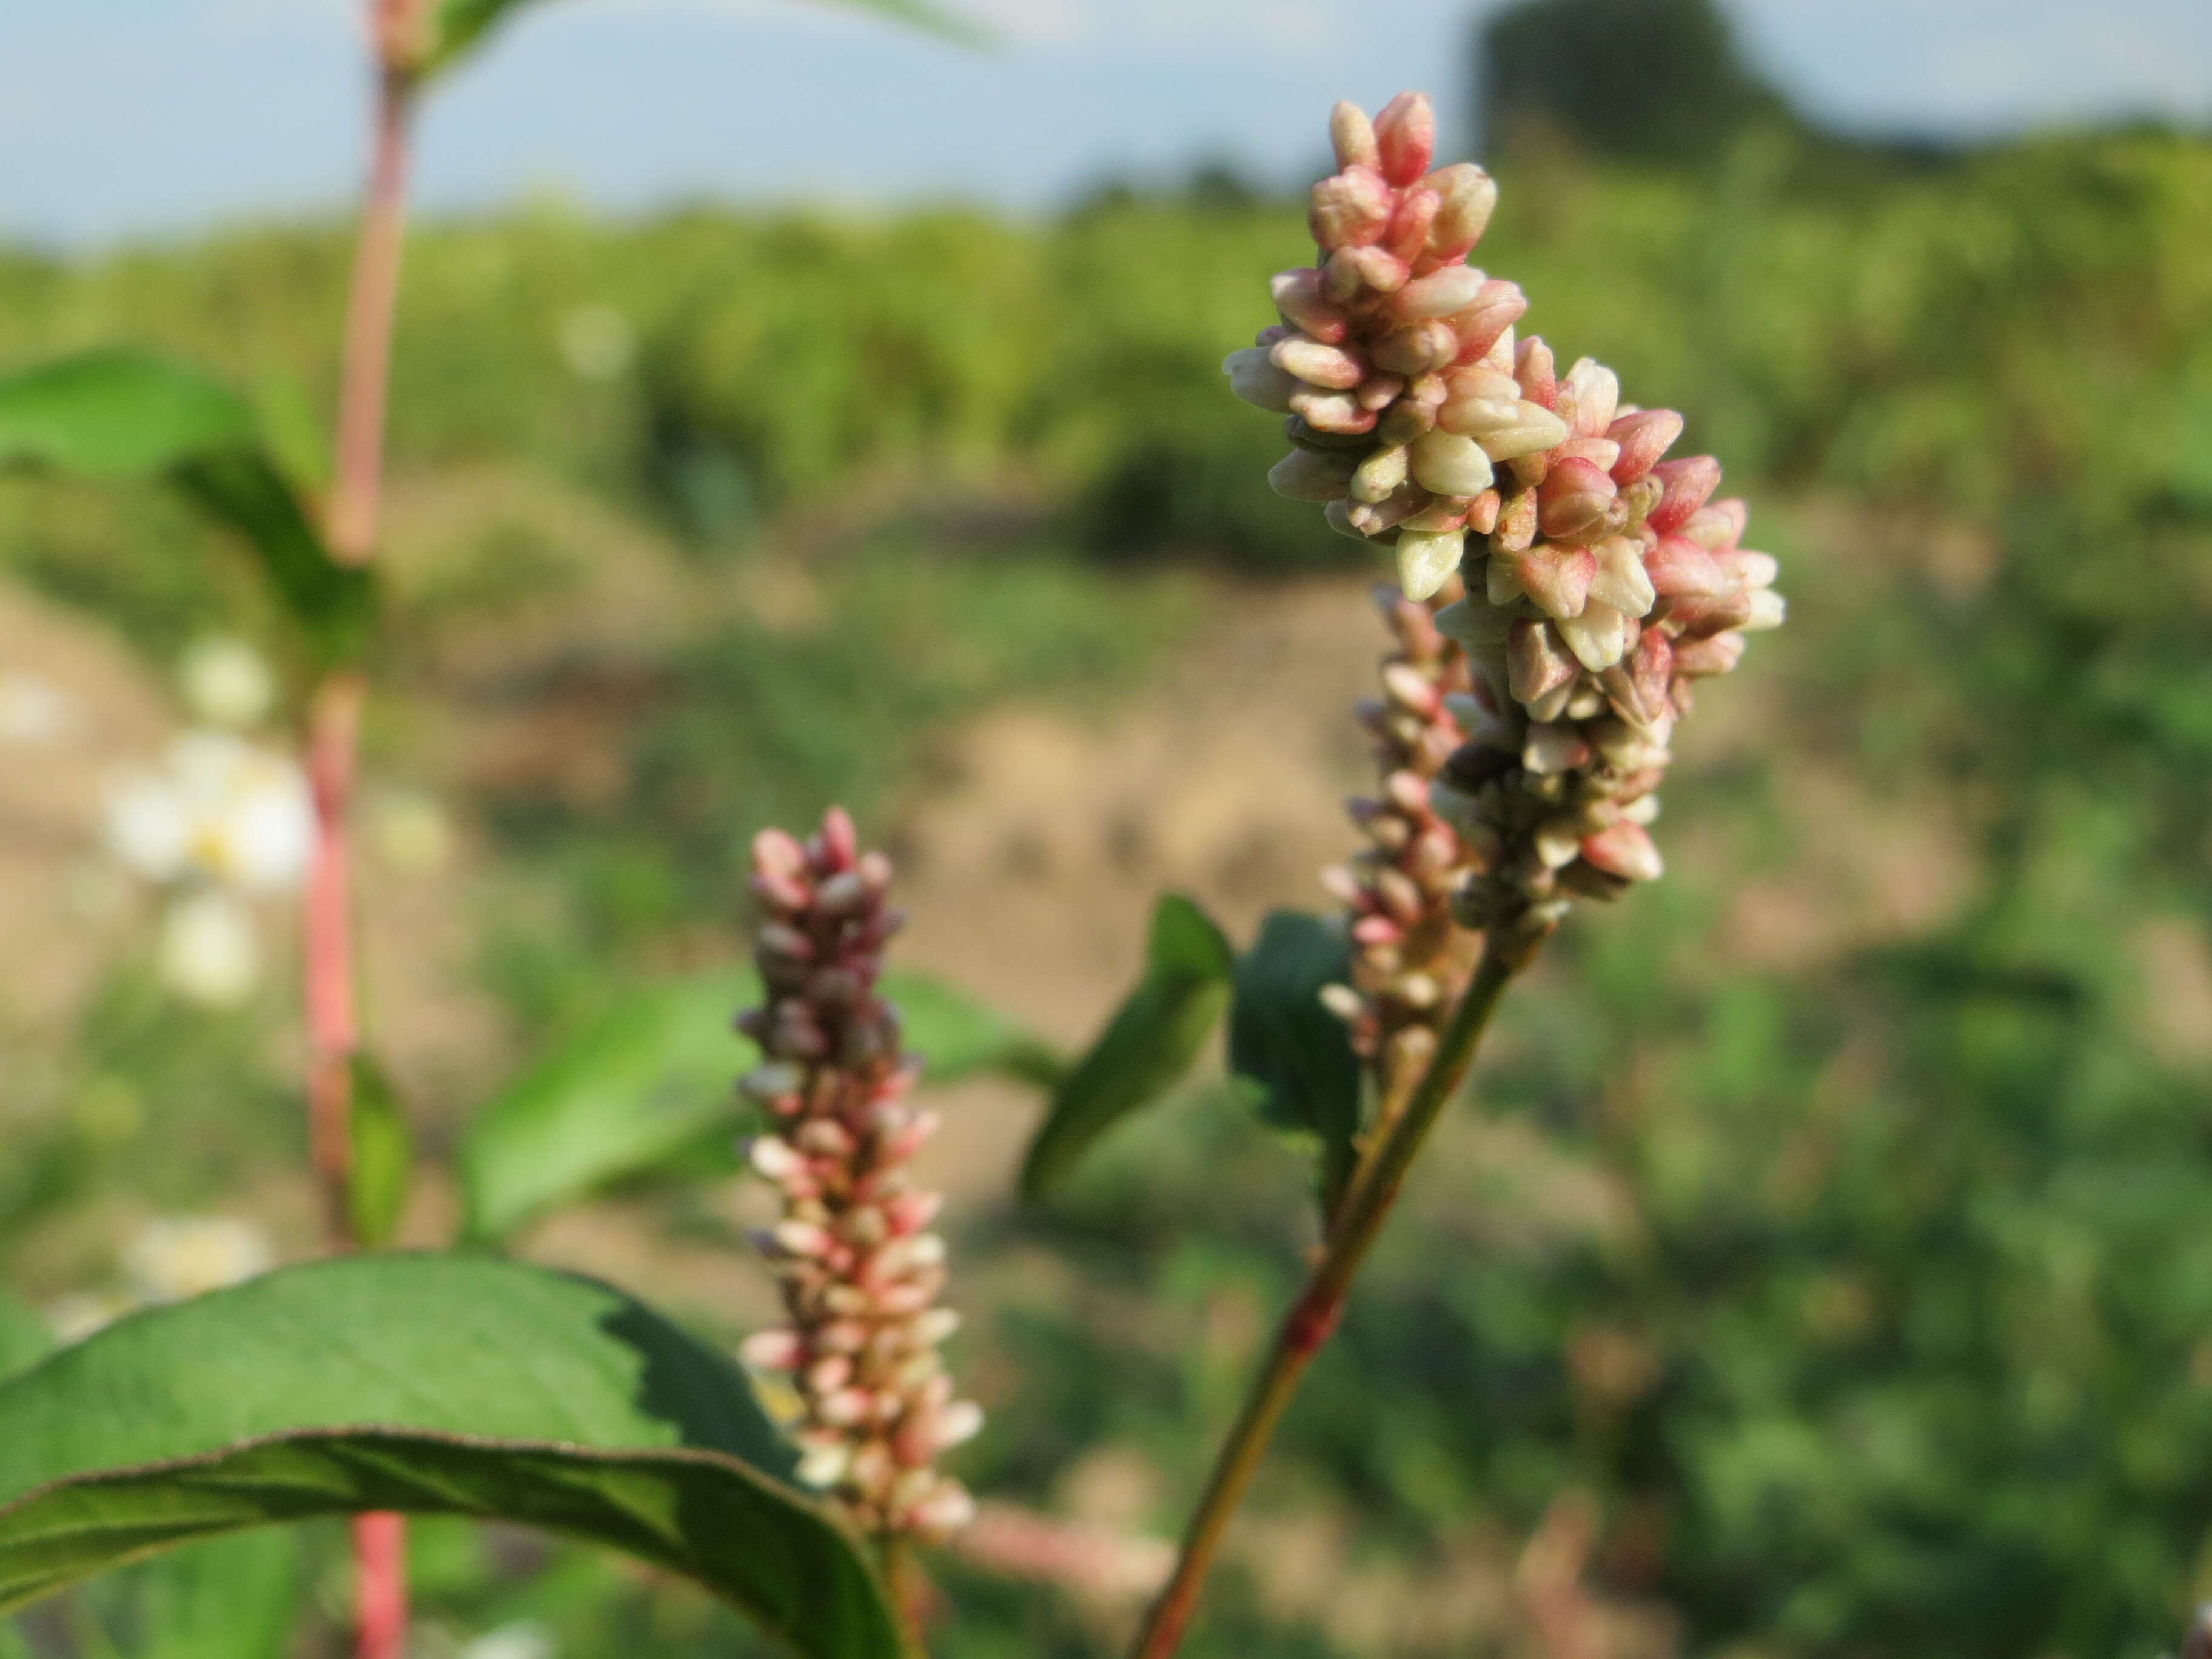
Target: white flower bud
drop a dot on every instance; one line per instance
(1426, 560)
(1450, 465)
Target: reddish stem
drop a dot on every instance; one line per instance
(334, 721)
(366, 370)
(1313, 1317)
(380, 1554)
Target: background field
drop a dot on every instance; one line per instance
(1828, 1227)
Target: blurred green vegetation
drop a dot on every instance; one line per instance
(1846, 1243)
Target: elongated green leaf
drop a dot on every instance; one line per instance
(655, 1076)
(462, 24)
(1297, 1052)
(1145, 1048)
(426, 1383)
(383, 1166)
(118, 414)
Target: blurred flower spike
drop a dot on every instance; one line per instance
(861, 1272)
(216, 820)
(1601, 580)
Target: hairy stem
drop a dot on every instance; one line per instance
(334, 720)
(1313, 1316)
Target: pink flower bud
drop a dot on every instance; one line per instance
(1626, 851)
(1468, 196)
(1439, 295)
(1497, 306)
(1297, 295)
(1700, 658)
(1557, 575)
(1687, 482)
(1417, 348)
(1351, 209)
(1406, 134)
(1573, 501)
(839, 842)
(777, 1349)
(1679, 569)
(1533, 368)
(1643, 437)
(1407, 236)
(1331, 368)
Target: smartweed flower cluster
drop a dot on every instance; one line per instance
(1409, 960)
(1601, 580)
(861, 1272)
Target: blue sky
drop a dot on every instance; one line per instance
(123, 118)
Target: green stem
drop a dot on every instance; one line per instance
(1313, 1316)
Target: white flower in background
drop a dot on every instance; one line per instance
(34, 711)
(171, 1258)
(217, 809)
(209, 953)
(597, 342)
(176, 1257)
(225, 682)
(516, 1641)
(73, 1318)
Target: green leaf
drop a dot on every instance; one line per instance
(643, 1086)
(431, 1384)
(462, 24)
(233, 1596)
(1145, 1048)
(118, 414)
(383, 1165)
(24, 1338)
(1297, 1052)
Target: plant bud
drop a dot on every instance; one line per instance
(1450, 465)
(1643, 437)
(1303, 476)
(1599, 635)
(1417, 348)
(1687, 483)
(1405, 136)
(1679, 569)
(1536, 662)
(1625, 851)
(1621, 580)
(1333, 368)
(1469, 195)
(1426, 560)
(1453, 288)
(1718, 654)
(1254, 377)
(1596, 392)
(1380, 475)
(1572, 502)
(1557, 575)
(1350, 209)
(1407, 236)
(1297, 295)
(1352, 136)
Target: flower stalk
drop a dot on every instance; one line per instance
(1313, 1317)
(352, 517)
